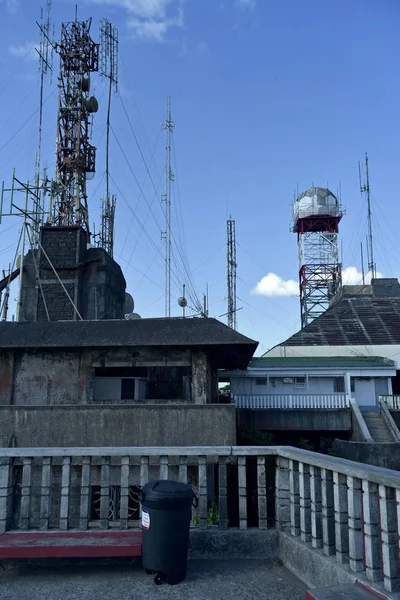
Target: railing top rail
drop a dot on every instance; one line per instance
(346, 467)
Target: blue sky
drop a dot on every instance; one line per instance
(267, 96)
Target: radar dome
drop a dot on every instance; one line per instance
(316, 201)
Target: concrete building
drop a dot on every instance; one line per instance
(122, 382)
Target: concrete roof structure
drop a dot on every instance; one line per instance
(226, 347)
(323, 362)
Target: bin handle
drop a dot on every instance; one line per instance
(195, 501)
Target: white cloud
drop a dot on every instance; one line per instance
(273, 285)
(246, 4)
(150, 19)
(11, 5)
(26, 51)
(352, 276)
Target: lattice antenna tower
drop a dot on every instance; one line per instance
(365, 190)
(231, 273)
(76, 157)
(108, 65)
(168, 126)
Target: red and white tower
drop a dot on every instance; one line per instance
(316, 217)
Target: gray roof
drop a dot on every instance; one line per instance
(310, 362)
(228, 348)
(356, 320)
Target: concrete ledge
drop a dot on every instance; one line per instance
(234, 543)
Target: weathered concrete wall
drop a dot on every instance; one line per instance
(296, 420)
(6, 376)
(381, 455)
(148, 425)
(47, 378)
(204, 379)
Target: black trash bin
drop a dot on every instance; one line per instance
(166, 514)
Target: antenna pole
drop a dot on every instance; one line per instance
(231, 273)
(109, 69)
(169, 177)
(362, 265)
(366, 189)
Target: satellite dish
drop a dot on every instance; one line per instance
(182, 302)
(86, 84)
(129, 303)
(18, 261)
(132, 317)
(89, 176)
(91, 104)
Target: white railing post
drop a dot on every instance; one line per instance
(328, 512)
(341, 517)
(65, 485)
(356, 547)
(182, 469)
(222, 493)
(45, 499)
(282, 494)
(389, 538)
(163, 467)
(124, 493)
(371, 531)
(105, 492)
(316, 507)
(305, 502)
(261, 493)
(84, 513)
(294, 498)
(26, 492)
(202, 477)
(242, 492)
(6, 493)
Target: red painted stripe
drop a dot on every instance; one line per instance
(37, 544)
(367, 588)
(309, 596)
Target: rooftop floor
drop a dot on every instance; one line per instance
(206, 580)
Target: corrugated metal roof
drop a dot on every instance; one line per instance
(338, 362)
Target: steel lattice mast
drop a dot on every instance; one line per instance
(231, 272)
(109, 70)
(169, 178)
(75, 160)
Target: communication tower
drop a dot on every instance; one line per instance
(231, 272)
(75, 160)
(316, 216)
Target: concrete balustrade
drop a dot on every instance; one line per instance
(340, 508)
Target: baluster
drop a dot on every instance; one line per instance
(262, 493)
(183, 469)
(305, 502)
(6, 493)
(282, 494)
(316, 507)
(26, 492)
(202, 477)
(163, 467)
(84, 514)
(341, 518)
(45, 505)
(222, 493)
(144, 474)
(242, 492)
(371, 531)
(356, 547)
(64, 501)
(328, 512)
(124, 494)
(294, 498)
(389, 538)
(105, 500)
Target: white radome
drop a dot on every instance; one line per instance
(316, 201)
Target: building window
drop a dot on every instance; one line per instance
(261, 381)
(127, 389)
(300, 382)
(338, 386)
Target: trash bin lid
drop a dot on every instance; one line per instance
(166, 492)
(167, 489)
